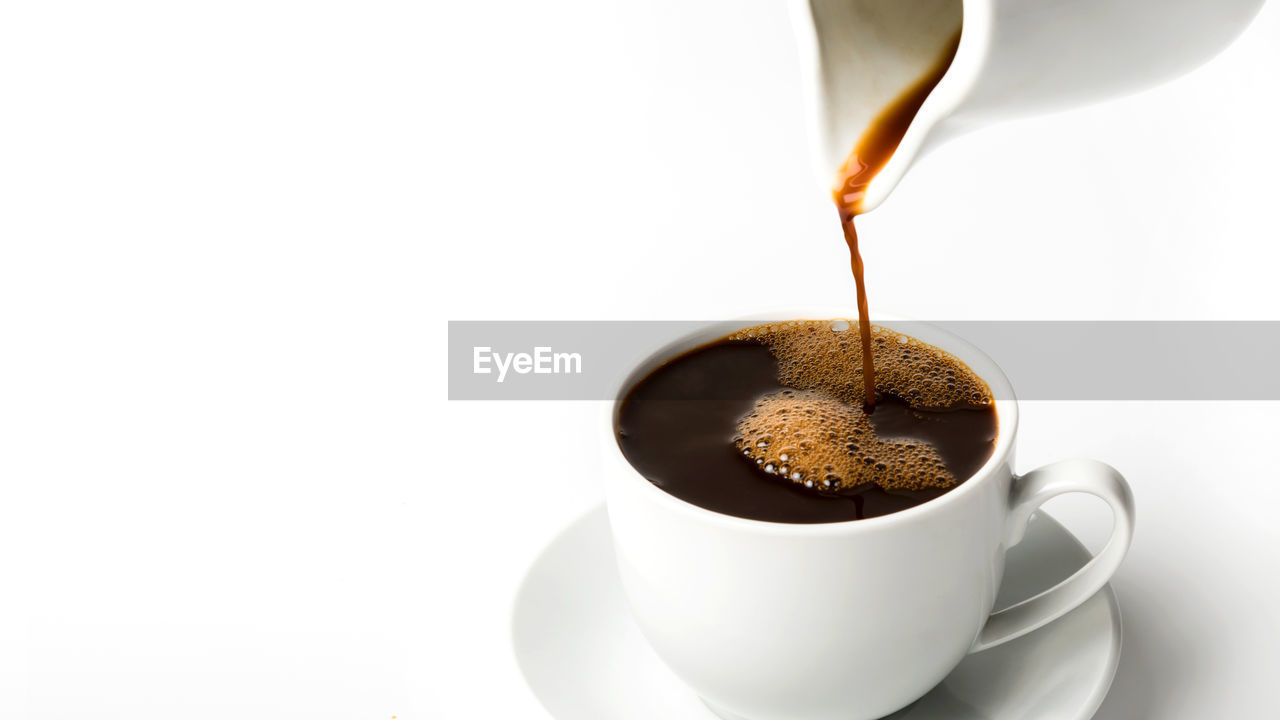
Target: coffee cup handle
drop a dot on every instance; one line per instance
(1029, 492)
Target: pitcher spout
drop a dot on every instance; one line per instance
(1014, 58)
(858, 57)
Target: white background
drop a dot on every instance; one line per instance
(231, 235)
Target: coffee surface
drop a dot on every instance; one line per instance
(682, 427)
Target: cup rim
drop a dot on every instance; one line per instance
(1006, 407)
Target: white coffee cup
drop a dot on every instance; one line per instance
(849, 620)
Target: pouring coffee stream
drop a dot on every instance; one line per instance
(869, 156)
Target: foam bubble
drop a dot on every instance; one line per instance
(826, 445)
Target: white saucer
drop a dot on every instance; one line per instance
(585, 659)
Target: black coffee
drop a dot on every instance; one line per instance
(770, 424)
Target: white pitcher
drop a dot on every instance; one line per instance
(1015, 57)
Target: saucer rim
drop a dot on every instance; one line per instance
(1088, 709)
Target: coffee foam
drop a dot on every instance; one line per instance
(826, 356)
(825, 444)
(818, 435)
